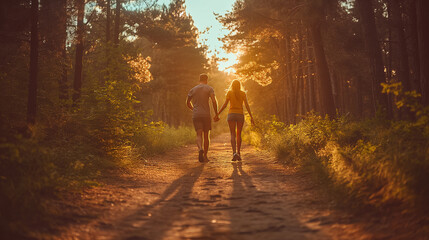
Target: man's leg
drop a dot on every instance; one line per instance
(206, 143)
(199, 139)
(199, 144)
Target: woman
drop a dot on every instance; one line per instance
(235, 119)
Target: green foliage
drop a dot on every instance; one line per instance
(158, 137)
(376, 161)
(409, 100)
(111, 126)
(23, 161)
(168, 36)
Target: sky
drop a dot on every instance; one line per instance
(202, 12)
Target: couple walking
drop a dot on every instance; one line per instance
(198, 102)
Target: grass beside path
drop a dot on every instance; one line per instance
(70, 158)
(373, 162)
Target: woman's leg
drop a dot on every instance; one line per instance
(239, 128)
(231, 125)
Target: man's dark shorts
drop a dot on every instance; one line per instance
(204, 123)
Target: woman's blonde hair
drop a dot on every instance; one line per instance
(236, 88)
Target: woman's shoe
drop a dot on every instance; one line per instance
(238, 157)
(234, 157)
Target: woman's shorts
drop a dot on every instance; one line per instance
(236, 117)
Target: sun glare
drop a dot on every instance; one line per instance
(228, 62)
(203, 14)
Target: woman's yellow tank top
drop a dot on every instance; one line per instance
(236, 104)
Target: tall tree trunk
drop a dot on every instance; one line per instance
(359, 98)
(404, 67)
(326, 97)
(108, 20)
(77, 84)
(64, 88)
(335, 90)
(389, 58)
(53, 33)
(117, 22)
(374, 52)
(423, 33)
(413, 32)
(34, 59)
(285, 80)
(62, 81)
(300, 72)
(291, 87)
(310, 74)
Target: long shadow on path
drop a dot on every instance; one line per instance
(154, 220)
(260, 214)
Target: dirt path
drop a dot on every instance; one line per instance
(175, 197)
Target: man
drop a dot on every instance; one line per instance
(199, 95)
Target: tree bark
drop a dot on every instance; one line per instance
(77, 83)
(423, 35)
(359, 99)
(373, 49)
(310, 74)
(413, 32)
(117, 22)
(62, 82)
(285, 80)
(301, 73)
(34, 59)
(291, 87)
(398, 26)
(326, 97)
(108, 20)
(53, 35)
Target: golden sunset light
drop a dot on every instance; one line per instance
(214, 119)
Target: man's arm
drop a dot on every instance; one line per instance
(214, 101)
(188, 103)
(223, 106)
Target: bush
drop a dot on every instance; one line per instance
(158, 137)
(376, 161)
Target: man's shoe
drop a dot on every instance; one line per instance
(238, 157)
(201, 156)
(234, 157)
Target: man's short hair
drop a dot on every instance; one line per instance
(204, 77)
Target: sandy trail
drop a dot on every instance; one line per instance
(173, 196)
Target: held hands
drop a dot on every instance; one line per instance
(216, 118)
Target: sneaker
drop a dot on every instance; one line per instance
(201, 156)
(234, 157)
(238, 157)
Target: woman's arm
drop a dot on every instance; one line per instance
(248, 109)
(224, 106)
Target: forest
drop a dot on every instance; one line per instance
(339, 88)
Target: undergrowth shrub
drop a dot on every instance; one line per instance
(69, 155)
(375, 160)
(73, 144)
(158, 137)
